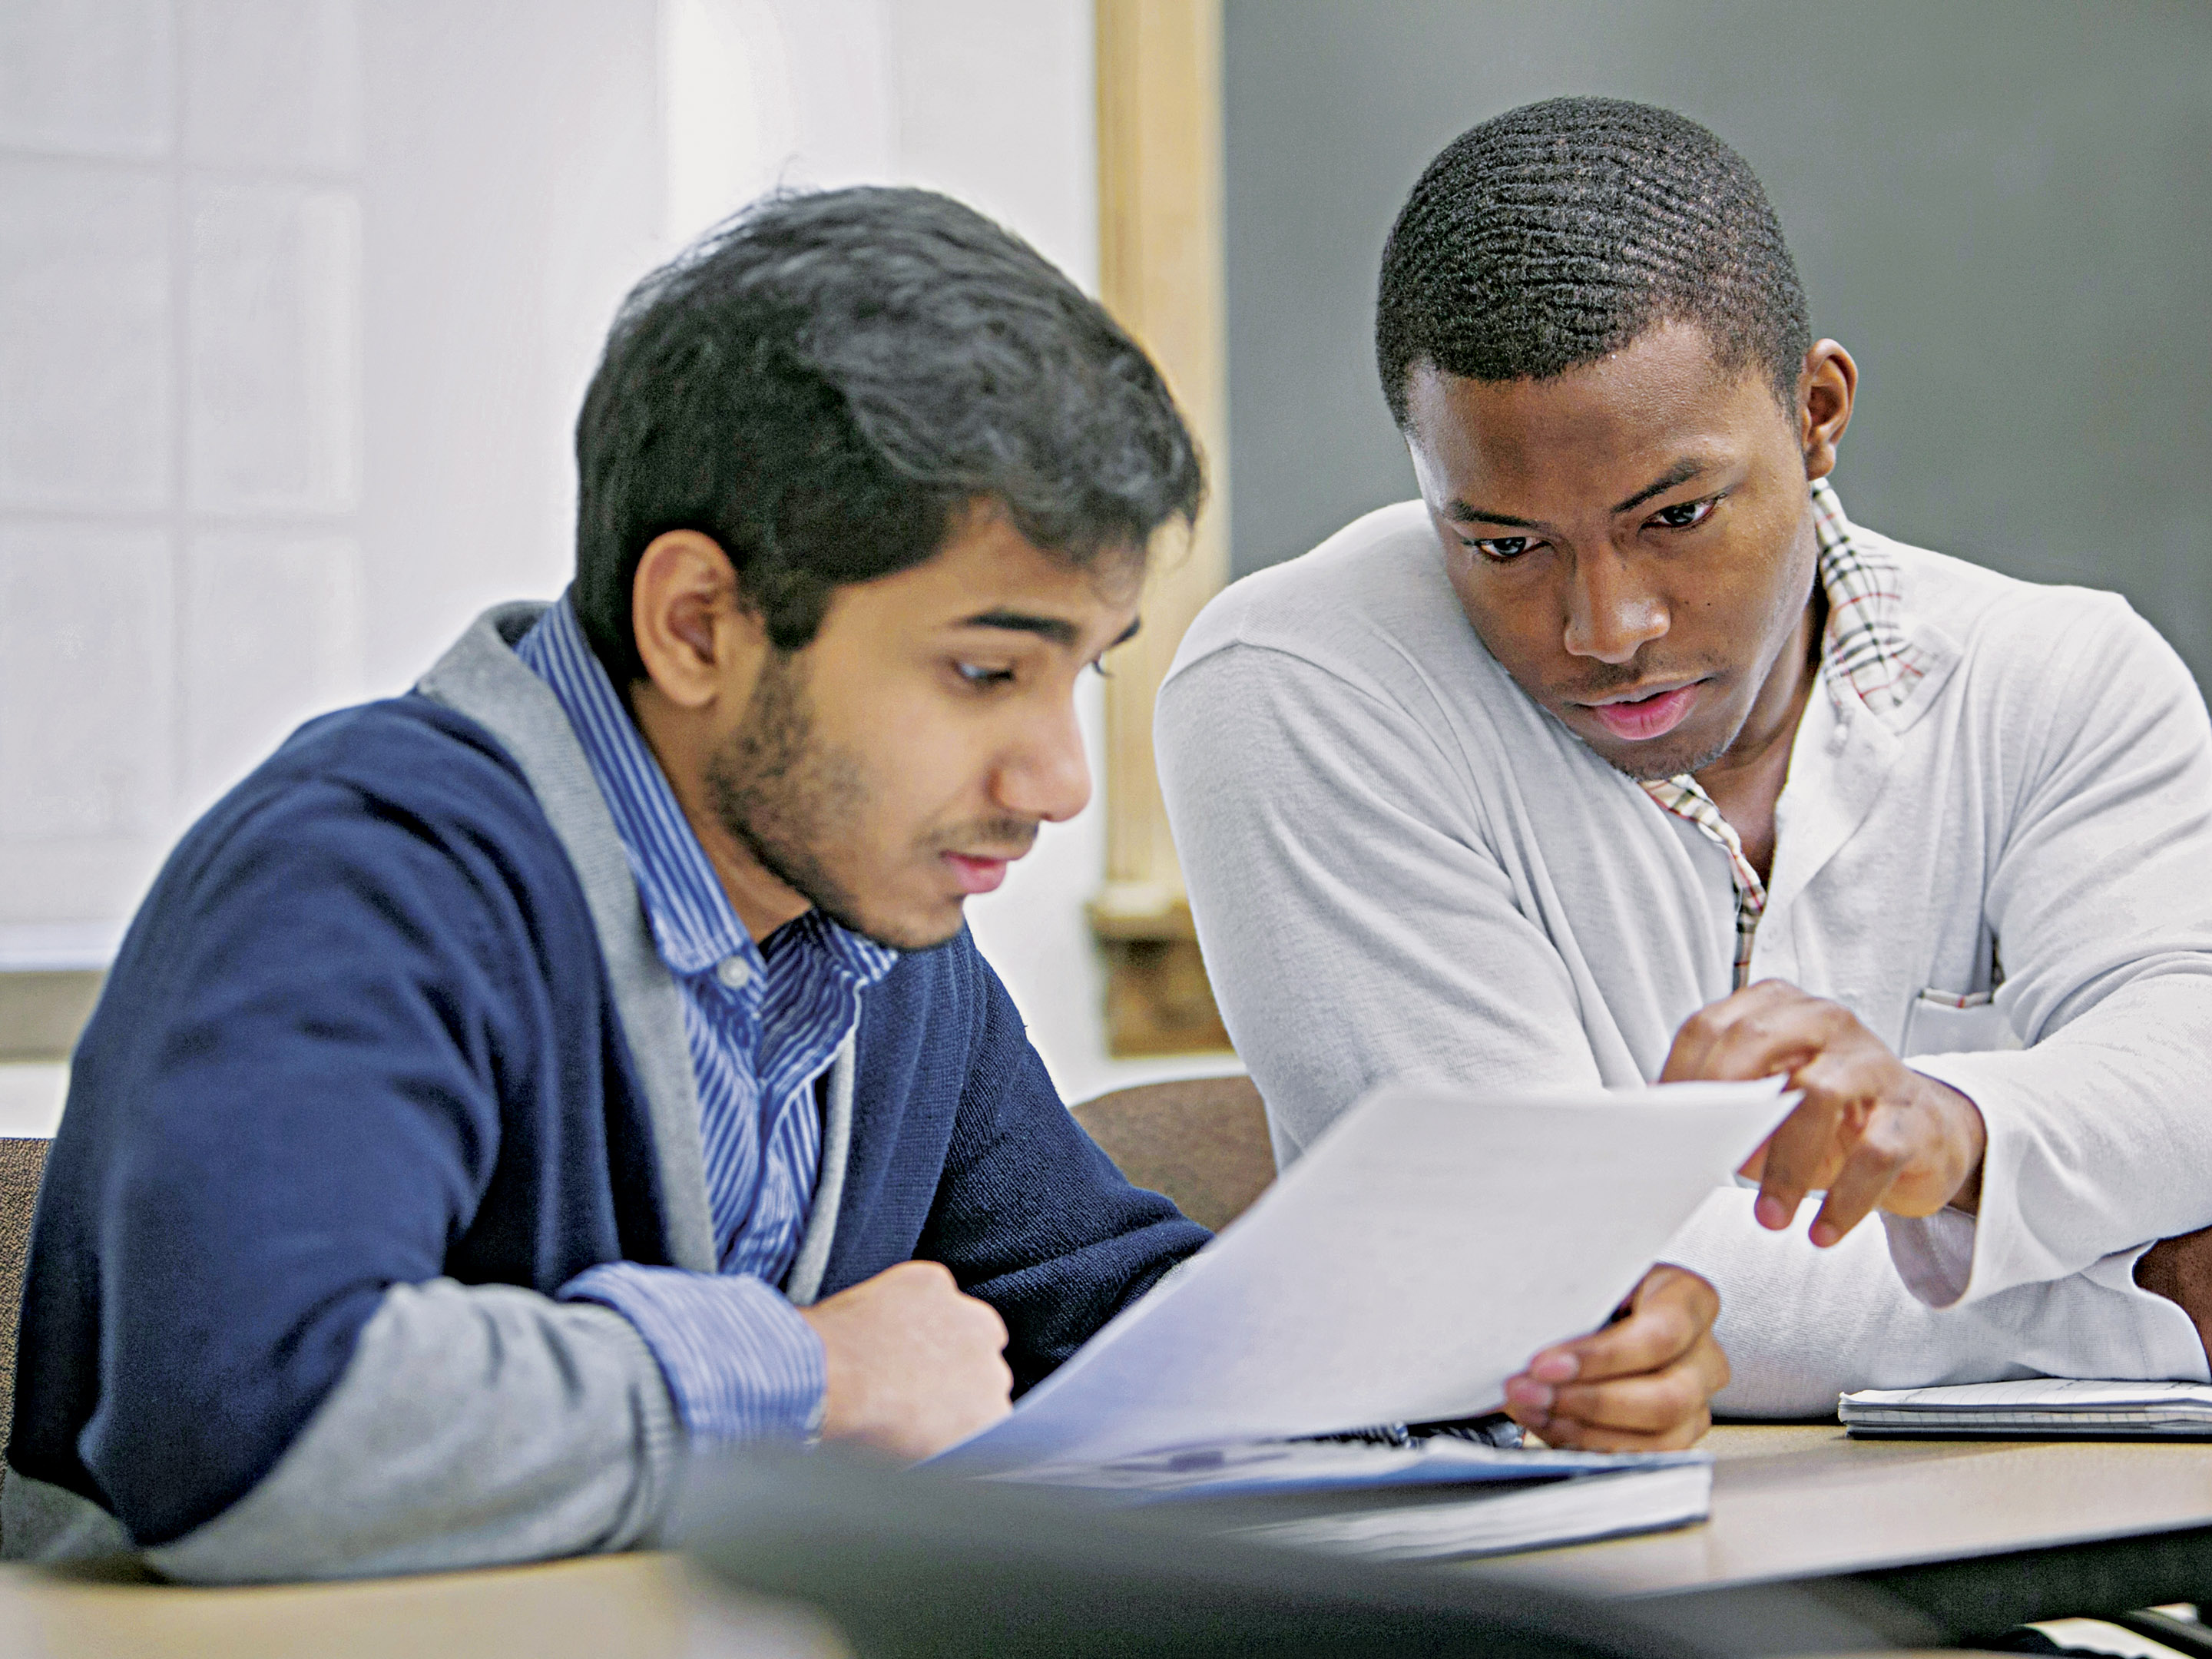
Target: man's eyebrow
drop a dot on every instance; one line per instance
(1056, 629)
(1680, 473)
(1128, 632)
(1460, 513)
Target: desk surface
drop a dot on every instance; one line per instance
(608, 1607)
(1789, 1502)
(1800, 1501)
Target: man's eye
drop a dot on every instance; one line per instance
(1683, 514)
(976, 674)
(1501, 548)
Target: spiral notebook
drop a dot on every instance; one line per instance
(2036, 1408)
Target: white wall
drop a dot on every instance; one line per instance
(990, 100)
(297, 299)
(300, 297)
(165, 471)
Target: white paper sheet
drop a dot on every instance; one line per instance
(1416, 1257)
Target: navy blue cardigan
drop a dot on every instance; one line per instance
(361, 1034)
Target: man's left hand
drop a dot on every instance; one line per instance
(2180, 1270)
(1645, 1382)
(1870, 1132)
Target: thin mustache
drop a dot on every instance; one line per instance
(1613, 685)
(1005, 838)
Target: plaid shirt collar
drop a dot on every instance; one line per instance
(1865, 657)
(1865, 652)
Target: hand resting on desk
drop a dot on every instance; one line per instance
(913, 1365)
(2180, 1270)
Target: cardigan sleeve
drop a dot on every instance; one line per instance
(1030, 1214)
(284, 1117)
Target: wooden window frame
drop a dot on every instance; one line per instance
(1160, 272)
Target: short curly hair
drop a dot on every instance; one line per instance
(1557, 233)
(826, 383)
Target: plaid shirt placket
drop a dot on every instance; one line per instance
(1864, 654)
(1684, 800)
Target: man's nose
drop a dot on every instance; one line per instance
(1048, 776)
(1610, 615)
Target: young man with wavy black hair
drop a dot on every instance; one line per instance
(580, 1057)
(1623, 755)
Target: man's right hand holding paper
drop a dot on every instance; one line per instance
(1644, 1383)
(1870, 1132)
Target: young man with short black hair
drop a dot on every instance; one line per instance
(1490, 789)
(580, 1058)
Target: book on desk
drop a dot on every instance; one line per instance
(1437, 1496)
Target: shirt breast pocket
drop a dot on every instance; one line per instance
(1952, 1022)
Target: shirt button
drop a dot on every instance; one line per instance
(734, 972)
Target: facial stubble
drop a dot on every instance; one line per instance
(784, 798)
(791, 799)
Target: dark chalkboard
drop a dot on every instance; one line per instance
(2003, 208)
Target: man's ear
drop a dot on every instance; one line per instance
(1825, 387)
(694, 634)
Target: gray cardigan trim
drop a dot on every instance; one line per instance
(41, 1521)
(803, 1284)
(473, 1424)
(482, 678)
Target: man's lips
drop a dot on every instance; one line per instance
(1638, 717)
(977, 875)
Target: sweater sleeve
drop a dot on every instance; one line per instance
(2099, 901)
(472, 1426)
(283, 1120)
(1030, 1214)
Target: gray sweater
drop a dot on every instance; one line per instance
(1401, 867)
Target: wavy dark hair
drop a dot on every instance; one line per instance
(828, 382)
(1557, 233)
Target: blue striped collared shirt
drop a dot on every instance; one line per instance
(762, 1025)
